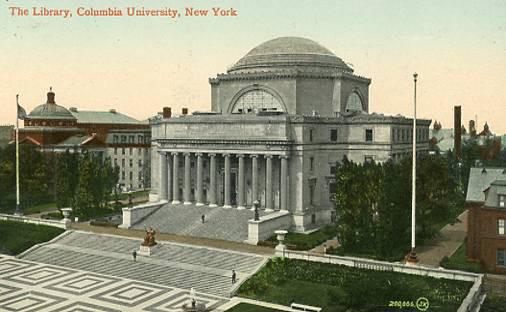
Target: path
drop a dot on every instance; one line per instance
(445, 243)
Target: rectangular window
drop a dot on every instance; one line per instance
(123, 175)
(333, 135)
(311, 163)
(131, 139)
(140, 139)
(115, 139)
(131, 175)
(122, 151)
(368, 159)
(115, 151)
(333, 169)
(311, 194)
(131, 163)
(501, 257)
(501, 227)
(332, 190)
(368, 135)
(130, 151)
(123, 139)
(502, 201)
(140, 163)
(310, 135)
(122, 163)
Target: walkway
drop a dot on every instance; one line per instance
(446, 242)
(220, 223)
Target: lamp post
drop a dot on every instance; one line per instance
(411, 258)
(256, 203)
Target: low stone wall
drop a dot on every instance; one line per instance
(58, 224)
(132, 215)
(265, 227)
(470, 303)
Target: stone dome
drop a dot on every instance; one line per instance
(288, 52)
(50, 110)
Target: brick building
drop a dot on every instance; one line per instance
(486, 202)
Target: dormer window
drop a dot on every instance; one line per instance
(502, 201)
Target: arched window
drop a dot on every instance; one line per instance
(354, 103)
(255, 101)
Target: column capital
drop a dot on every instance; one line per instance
(253, 155)
(186, 153)
(283, 157)
(211, 154)
(226, 154)
(199, 154)
(175, 153)
(268, 156)
(240, 155)
(162, 152)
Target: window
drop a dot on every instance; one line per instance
(311, 163)
(501, 257)
(332, 190)
(313, 218)
(310, 135)
(139, 151)
(122, 151)
(131, 162)
(259, 100)
(368, 159)
(140, 163)
(131, 175)
(130, 151)
(140, 139)
(333, 169)
(115, 151)
(131, 138)
(368, 135)
(123, 163)
(501, 226)
(123, 175)
(115, 139)
(502, 201)
(354, 103)
(333, 135)
(123, 139)
(311, 194)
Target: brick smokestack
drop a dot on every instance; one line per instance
(167, 113)
(184, 111)
(457, 128)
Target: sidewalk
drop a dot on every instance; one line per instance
(445, 243)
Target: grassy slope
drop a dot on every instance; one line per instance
(16, 237)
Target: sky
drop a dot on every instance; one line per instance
(137, 65)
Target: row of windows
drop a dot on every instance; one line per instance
(130, 151)
(131, 175)
(406, 135)
(131, 163)
(333, 135)
(131, 139)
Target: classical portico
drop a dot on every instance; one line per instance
(229, 180)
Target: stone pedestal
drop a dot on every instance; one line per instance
(280, 236)
(147, 250)
(411, 258)
(66, 214)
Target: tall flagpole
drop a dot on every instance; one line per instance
(411, 258)
(18, 212)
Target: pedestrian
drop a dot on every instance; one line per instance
(194, 303)
(203, 218)
(233, 277)
(134, 255)
(324, 248)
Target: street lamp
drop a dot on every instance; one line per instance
(256, 203)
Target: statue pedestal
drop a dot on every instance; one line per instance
(146, 250)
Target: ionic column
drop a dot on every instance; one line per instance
(241, 200)
(284, 183)
(254, 179)
(187, 181)
(212, 181)
(268, 183)
(227, 203)
(175, 180)
(169, 178)
(163, 176)
(200, 178)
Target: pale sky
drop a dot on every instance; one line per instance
(137, 65)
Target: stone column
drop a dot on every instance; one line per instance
(284, 183)
(163, 176)
(169, 178)
(212, 181)
(268, 183)
(227, 203)
(200, 178)
(254, 179)
(187, 179)
(241, 204)
(175, 180)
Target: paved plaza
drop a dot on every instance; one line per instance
(228, 224)
(87, 272)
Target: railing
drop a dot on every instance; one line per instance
(31, 220)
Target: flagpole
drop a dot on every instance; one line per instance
(18, 212)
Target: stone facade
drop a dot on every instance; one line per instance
(281, 118)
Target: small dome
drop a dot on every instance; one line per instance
(289, 51)
(50, 110)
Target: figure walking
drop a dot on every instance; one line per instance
(203, 218)
(233, 277)
(134, 255)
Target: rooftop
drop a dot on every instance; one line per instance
(480, 179)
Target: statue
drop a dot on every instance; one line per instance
(149, 238)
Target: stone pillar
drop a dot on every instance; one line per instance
(169, 178)
(200, 178)
(241, 204)
(163, 176)
(187, 179)
(284, 183)
(254, 179)
(268, 183)
(227, 203)
(212, 181)
(175, 180)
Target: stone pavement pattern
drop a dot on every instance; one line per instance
(221, 223)
(446, 242)
(204, 269)
(35, 287)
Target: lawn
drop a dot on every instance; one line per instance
(493, 304)
(39, 208)
(16, 237)
(244, 307)
(458, 261)
(341, 288)
(299, 241)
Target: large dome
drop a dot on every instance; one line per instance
(288, 52)
(50, 110)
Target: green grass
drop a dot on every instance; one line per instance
(298, 241)
(16, 237)
(494, 304)
(244, 307)
(341, 288)
(458, 261)
(39, 208)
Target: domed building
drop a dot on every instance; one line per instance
(281, 118)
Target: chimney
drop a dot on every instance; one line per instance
(457, 128)
(50, 96)
(167, 113)
(184, 111)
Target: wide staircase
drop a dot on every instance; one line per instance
(204, 269)
(220, 223)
